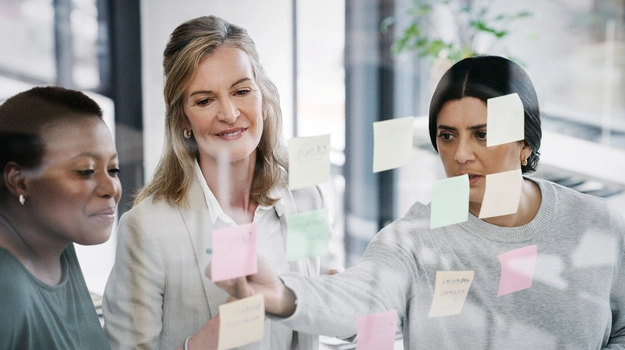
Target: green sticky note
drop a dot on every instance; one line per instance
(309, 234)
(450, 201)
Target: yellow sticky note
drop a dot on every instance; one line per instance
(450, 292)
(241, 322)
(502, 194)
(309, 161)
(392, 143)
(505, 120)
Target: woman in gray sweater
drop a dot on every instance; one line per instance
(550, 276)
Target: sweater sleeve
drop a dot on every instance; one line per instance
(381, 281)
(617, 295)
(133, 297)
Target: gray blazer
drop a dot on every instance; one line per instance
(157, 293)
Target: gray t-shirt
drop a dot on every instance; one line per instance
(576, 299)
(34, 315)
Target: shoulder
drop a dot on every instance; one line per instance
(14, 284)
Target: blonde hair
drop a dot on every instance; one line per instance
(188, 44)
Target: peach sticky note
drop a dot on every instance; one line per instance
(309, 161)
(234, 252)
(241, 322)
(505, 120)
(517, 269)
(392, 143)
(450, 292)
(377, 331)
(502, 194)
(309, 234)
(450, 201)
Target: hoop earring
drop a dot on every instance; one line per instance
(22, 199)
(524, 162)
(186, 133)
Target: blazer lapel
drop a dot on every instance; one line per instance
(199, 229)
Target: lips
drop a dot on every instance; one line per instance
(231, 132)
(105, 213)
(473, 178)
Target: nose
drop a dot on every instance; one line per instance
(109, 187)
(228, 111)
(464, 152)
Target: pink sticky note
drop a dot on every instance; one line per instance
(234, 252)
(377, 331)
(517, 269)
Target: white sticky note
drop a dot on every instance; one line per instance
(502, 194)
(450, 201)
(309, 161)
(505, 120)
(241, 322)
(450, 292)
(392, 143)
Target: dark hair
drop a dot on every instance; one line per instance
(485, 77)
(25, 117)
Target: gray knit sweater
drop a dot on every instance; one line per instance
(576, 301)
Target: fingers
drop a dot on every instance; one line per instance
(333, 272)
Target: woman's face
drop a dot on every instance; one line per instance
(461, 141)
(223, 105)
(73, 194)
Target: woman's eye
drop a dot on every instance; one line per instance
(242, 92)
(445, 136)
(203, 102)
(481, 135)
(114, 171)
(85, 172)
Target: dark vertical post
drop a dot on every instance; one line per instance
(124, 37)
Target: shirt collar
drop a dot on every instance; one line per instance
(214, 209)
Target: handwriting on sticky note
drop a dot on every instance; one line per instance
(309, 161)
(502, 194)
(241, 322)
(309, 234)
(392, 143)
(505, 120)
(517, 269)
(450, 292)
(377, 331)
(234, 252)
(450, 201)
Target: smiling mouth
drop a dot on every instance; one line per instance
(230, 133)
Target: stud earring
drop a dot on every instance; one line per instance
(524, 162)
(186, 133)
(22, 199)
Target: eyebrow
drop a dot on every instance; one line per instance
(474, 127)
(211, 91)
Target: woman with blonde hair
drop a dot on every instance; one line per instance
(224, 164)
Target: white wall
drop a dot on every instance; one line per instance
(269, 23)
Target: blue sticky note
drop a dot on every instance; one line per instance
(309, 234)
(450, 201)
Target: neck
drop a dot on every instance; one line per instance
(39, 254)
(231, 183)
(528, 208)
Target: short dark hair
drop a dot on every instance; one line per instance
(25, 116)
(485, 77)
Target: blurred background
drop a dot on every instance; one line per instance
(340, 65)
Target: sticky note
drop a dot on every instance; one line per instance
(241, 322)
(450, 201)
(234, 252)
(392, 143)
(377, 331)
(309, 161)
(450, 292)
(505, 120)
(309, 234)
(502, 194)
(517, 269)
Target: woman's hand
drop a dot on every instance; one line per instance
(279, 300)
